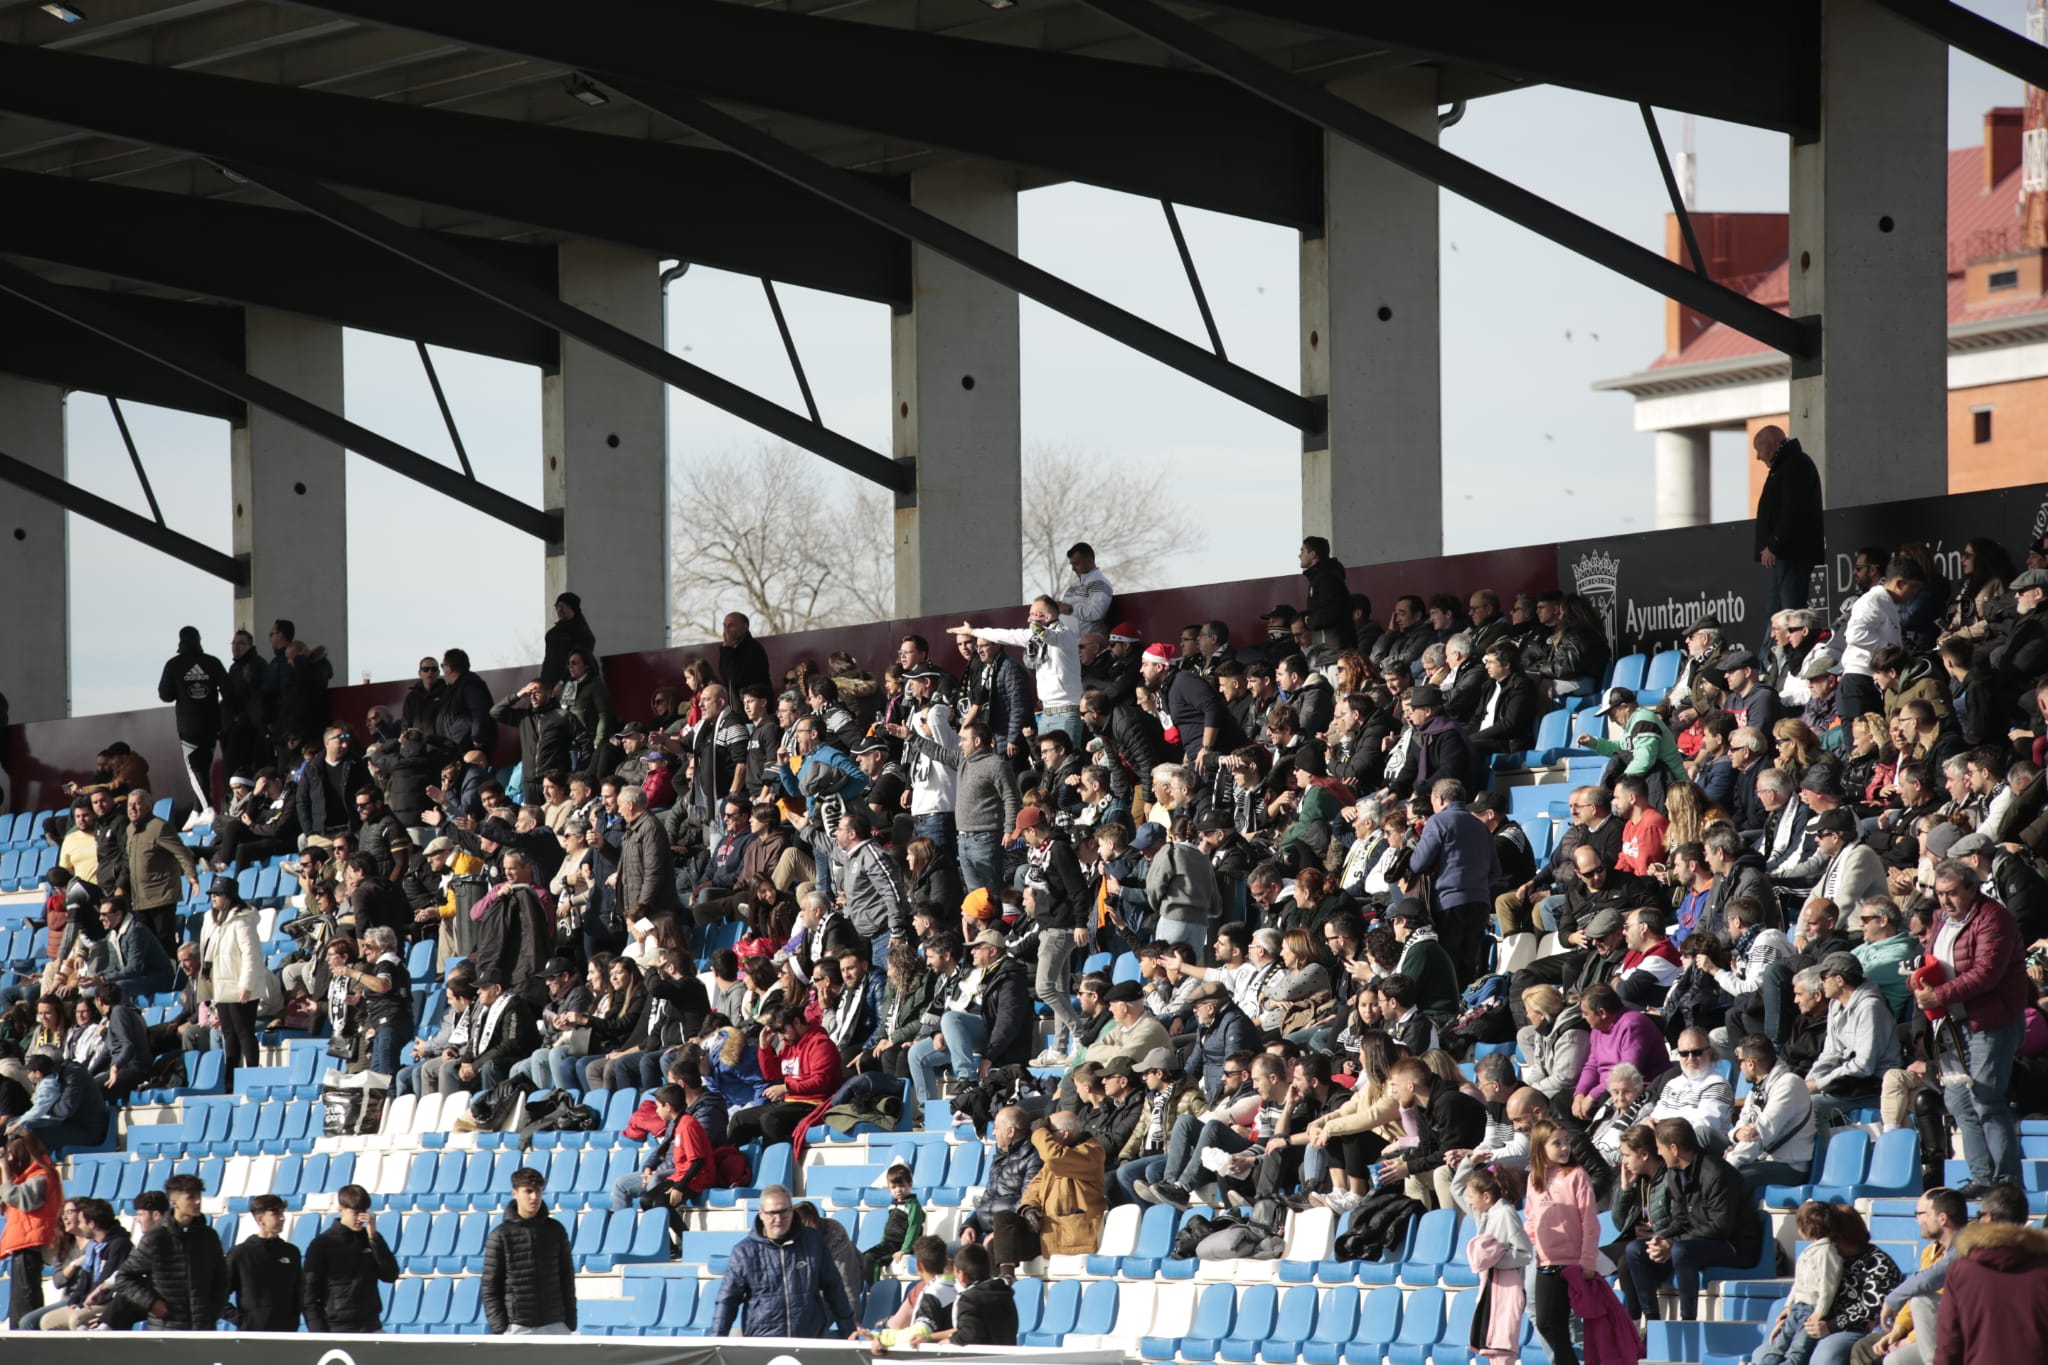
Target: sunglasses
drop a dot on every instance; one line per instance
(1692, 1052)
(1230, 1075)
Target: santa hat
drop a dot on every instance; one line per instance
(1124, 634)
(1160, 653)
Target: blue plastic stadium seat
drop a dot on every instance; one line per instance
(1061, 1306)
(1455, 1346)
(1663, 670)
(1336, 1323)
(1256, 1308)
(1215, 1316)
(1433, 1248)
(1422, 1325)
(1847, 1159)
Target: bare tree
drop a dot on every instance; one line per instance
(800, 546)
(1125, 513)
(777, 535)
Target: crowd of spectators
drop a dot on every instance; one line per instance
(1818, 855)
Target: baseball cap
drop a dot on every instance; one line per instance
(1616, 696)
(1124, 633)
(490, 978)
(556, 966)
(1146, 837)
(1843, 965)
(1283, 612)
(1158, 1059)
(1409, 909)
(1836, 821)
(1030, 817)
(223, 886)
(989, 938)
(1118, 1066)
(870, 744)
(1485, 801)
(1213, 822)
(926, 670)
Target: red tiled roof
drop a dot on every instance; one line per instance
(1981, 223)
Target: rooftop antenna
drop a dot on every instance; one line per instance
(1687, 168)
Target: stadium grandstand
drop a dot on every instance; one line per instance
(1623, 948)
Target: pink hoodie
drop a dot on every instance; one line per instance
(1564, 1220)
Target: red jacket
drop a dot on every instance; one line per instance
(1990, 978)
(811, 1069)
(687, 1144)
(1995, 1307)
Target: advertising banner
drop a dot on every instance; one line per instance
(1654, 586)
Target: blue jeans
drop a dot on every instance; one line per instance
(407, 1081)
(1123, 1180)
(965, 1033)
(981, 860)
(627, 1189)
(387, 1048)
(1690, 1256)
(1789, 1345)
(1982, 1108)
(1184, 931)
(1790, 584)
(1069, 721)
(937, 827)
(565, 1070)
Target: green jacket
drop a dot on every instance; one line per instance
(1884, 966)
(1650, 747)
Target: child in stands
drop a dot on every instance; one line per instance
(1564, 1231)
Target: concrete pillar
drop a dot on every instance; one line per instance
(1869, 251)
(1684, 478)
(35, 665)
(1371, 340)
(605, 450)
(291, 492)
(954, 359)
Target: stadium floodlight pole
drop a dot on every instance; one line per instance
(516, 294)
(1799, 338)
(877, 205)
(140, 529)
(216, 374)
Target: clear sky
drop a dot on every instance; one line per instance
(1527, 328)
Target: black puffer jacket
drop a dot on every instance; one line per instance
(529, 1276)
(342, 1272)
(182, 1265)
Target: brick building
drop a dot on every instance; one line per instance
(1712, 378)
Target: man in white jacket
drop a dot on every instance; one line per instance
(1773, 1135)
(1696, 1092)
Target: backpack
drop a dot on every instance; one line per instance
(1483, 1016)
(1193, 1231)
(490, 1109)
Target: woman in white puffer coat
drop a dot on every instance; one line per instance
(234, 972)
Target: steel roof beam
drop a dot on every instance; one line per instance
(96, 316)
(991, 262)
(1746, 61)
(1985, 39)
(120, 520)
(1146, 130)
(687, 203)
(271, 258)
(37, 345)
(1797, 337)
(438, 255)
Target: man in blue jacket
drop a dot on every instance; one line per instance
(1455, 851)
(785, 1279)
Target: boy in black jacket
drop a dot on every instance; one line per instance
(265, 1278)
(343, 1267)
